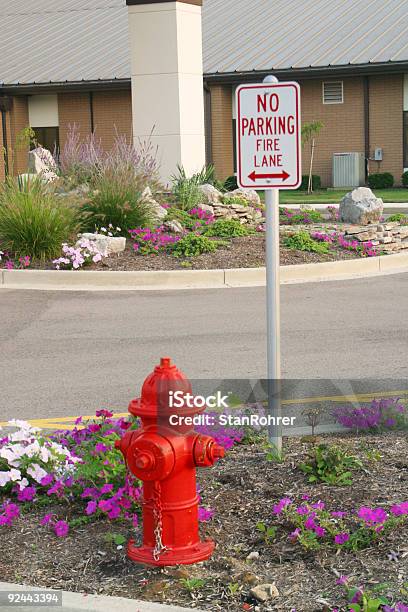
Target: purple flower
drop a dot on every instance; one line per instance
(61, 529)
(91, 507)
(104, 413)
(399, 509)
(47, 518)
(372, 516)
(342, 580)
(106, 488)
(303, 510)
(310, 523)
(342, 538)
(27, 494)
(338, 514)
(11, 511)
(295, 534)
(114, 513)
(100, 447)
(319, 531)
(205, 514)
(47, 480)
(277, 509)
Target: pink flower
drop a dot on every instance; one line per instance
(61, 529)
(104, 413)
(320, 531)
(91, 507)
(27, 494)
(285, 501)
(400, 509)
(47, 518)
(205, 514)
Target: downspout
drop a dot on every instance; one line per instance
(366, 88)
(5, 143)
(208, 124)
(91, 112)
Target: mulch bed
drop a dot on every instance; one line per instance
(242, 489)
(244, 252)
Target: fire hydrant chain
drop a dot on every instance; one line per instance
(158, 516)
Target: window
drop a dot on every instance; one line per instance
(333, 92)
(47, 137)
(405, 139)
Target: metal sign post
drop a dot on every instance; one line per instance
(268, 157)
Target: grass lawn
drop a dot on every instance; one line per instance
(334, 197)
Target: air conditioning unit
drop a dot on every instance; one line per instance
(349, 169)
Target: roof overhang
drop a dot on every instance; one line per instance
(72, 86)
(309, 73)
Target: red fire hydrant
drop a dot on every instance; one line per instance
(165, 456)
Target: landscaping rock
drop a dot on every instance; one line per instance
(209, 209)
(40, 161)
(250, 195)
(266, 591)
(211, 195)
(361, 206)
(173, 226)
(107, 245)
(159, 212)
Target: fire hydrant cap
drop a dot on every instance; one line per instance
(156, 391)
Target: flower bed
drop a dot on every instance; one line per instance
(317, 546)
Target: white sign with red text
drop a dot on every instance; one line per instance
(269, 136)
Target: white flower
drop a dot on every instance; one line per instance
(4, 478)
(15, 475)
(23, 483)
(103, 229)
(45, 454)
(36, 472)
(20, 424)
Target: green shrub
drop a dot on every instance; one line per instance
(117, 199)
(34, 221)
(234, 199)
(330, 464)
(399, 217)
(405, 179)
(230, 183)
(316, 182)
(383, 180)
(304, 216)
(186, 189)
(227, 228)
(302, 241)
(193, 245)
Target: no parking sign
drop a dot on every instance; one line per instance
(268, 136)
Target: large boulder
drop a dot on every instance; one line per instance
(361, 207)
(159, 212)
(41, 161)
(249, 195)
(106, 245)
(211, 195)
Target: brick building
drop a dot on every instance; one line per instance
(65, 62)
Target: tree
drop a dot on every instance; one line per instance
(309, 132)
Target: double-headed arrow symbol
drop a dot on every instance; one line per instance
(282, 175)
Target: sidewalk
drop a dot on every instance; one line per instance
(80, 602)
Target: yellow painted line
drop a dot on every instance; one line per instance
(55, 423)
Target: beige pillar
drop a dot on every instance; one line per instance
(167, 81)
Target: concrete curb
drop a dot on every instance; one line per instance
(70, 280)
(81, 602)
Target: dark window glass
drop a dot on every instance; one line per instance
(47, 137)
(406, 139)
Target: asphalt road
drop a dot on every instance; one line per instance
(67, 353)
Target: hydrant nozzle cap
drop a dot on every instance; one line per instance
(165, 362)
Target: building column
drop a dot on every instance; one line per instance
(167, 81)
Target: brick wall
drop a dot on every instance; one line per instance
(73, 108)
(343, 125)
(112, 111)
(18, 121)
(221, 130)
(386, 123)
